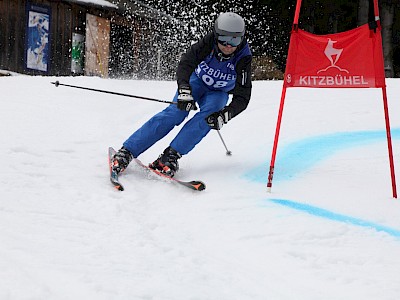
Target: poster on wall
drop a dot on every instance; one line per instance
(97, 46)
(77, 53)
(38, 37)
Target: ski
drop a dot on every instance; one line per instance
(195, 185)
(113, 175)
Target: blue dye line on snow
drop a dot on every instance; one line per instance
(323, 213)
(299, 156)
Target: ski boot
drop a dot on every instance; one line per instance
(121, 160)
(167, 162)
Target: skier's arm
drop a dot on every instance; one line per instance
(241, 96)
(242, 91)
(192, 57)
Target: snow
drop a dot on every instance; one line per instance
(329, 229)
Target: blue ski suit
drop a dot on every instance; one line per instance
(211, 77)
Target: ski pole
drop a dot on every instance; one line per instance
(57, 83)
(228, 152)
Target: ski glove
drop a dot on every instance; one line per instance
(218, 119)
(185, 98)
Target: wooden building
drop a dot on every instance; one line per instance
(67, 37)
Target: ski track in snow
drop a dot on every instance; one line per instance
(328, 230)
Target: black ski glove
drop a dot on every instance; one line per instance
(185, 98)
(218, 119)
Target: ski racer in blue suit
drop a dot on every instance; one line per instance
(218, 64)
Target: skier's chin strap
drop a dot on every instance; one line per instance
(221, 56)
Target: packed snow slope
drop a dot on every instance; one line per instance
(329, 229)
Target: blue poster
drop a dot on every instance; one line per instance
(38, 46)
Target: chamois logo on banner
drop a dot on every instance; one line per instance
(333, 54)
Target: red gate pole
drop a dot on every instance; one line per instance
(389, 142)
(275, 147)
(297, 13)
(387, 122)
(281, 105)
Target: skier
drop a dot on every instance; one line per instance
(218, 64)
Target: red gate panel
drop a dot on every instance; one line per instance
(351, 59)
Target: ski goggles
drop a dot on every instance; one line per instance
(226, 40)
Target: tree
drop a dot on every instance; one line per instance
(387, 16)
(386, 12)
